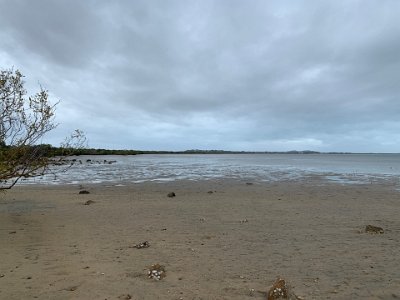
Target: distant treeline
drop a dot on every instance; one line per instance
(92, 151)
(58, 151)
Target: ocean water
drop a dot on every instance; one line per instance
(341, 168)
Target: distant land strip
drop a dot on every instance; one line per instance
(51, 151)
(92, 151)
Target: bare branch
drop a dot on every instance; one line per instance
(23, 123)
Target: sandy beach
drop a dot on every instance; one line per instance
(218, 239)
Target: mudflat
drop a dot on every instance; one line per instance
(221, 239)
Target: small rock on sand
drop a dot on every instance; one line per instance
(172, 194)
(280, 290)
(125, 297)
(72, 288)
(142, 245)
(84, 192)
(373, 229)
(89, 202)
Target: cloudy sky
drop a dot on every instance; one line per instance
(222, 74)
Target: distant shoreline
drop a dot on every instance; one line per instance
(93, 151)
(60, 151)
(349, 169)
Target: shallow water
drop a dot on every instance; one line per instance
(342, 168)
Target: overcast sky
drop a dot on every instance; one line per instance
(222, 74)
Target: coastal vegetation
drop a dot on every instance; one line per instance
(24, 121)
(61, 151)
(55, 151)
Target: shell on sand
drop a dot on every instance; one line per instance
(278, 290)
(281, 290)
(156, 272)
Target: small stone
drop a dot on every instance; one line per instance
(12, 232)
(142, 245)
(89, 202)
(210, 192)
(84, 192)
(373, 229)
(172, 194)
(125, 297)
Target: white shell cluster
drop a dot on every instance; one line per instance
(278, 292)
(142, 245)
(156, 272)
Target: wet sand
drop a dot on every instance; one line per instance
(228, 244)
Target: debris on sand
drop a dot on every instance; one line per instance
(172, 194)
(374, 229)
(156, 272)
(280, 290)
(89, 202)
(125, 297)
(84, 192)
(142, 245)
(244, 221)
(71, 288)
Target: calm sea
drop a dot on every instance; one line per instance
(343, 168)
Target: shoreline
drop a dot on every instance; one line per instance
(328, 178)
(228, 244)
(345, 169)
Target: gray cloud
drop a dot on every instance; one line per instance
(273, 75)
